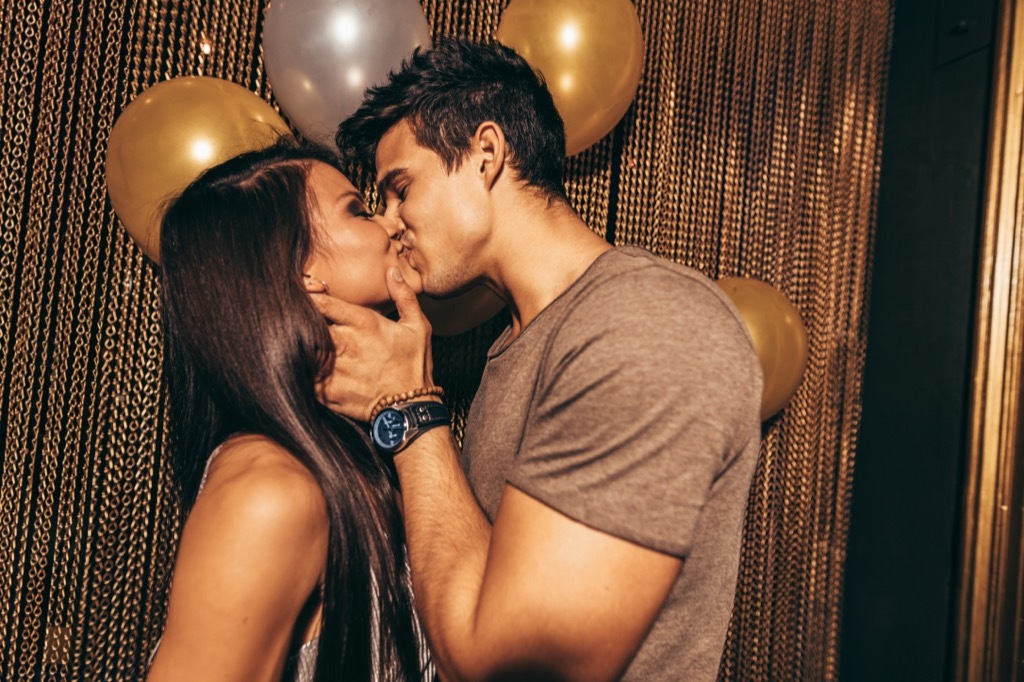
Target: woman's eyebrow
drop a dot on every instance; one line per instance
(349, 194)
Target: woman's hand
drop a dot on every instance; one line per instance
(374, 356)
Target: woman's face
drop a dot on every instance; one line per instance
(352, 248)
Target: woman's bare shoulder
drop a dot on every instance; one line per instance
(252, 551)
(265, 502)
(257, 476)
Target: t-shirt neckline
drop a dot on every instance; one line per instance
(500, 344)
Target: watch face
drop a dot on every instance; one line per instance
(389, 429)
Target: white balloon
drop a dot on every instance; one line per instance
(321, 55)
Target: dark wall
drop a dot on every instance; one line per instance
(904, 533)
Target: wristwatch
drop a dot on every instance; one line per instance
(395, 427)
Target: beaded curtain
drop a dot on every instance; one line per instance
(752, 149)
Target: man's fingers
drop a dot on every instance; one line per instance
(340, 338)
(338, 311)
(408, 307)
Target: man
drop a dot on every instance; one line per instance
(613, 438)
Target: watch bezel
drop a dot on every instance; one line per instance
(417, 418)
(379, 419)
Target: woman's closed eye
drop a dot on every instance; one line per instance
(359, 209)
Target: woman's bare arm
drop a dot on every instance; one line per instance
(251, 554)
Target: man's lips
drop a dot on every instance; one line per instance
(401, 250)
(406, 255)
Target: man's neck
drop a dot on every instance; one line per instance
(540, 252)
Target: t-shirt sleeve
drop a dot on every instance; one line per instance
(649, 390)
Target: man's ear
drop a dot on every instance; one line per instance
(490, 150)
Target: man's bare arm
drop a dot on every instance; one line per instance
(539, 596)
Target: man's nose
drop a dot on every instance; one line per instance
(393, 226)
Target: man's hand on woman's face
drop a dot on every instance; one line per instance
(373, 356)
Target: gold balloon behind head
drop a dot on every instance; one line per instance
(779, 337)
(171, 133)
(591, 53)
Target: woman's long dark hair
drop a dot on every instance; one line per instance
(244, 347)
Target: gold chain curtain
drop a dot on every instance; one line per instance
(752, 149)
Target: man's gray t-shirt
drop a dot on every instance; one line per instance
(631, 404)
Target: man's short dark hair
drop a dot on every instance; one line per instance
(446, 92)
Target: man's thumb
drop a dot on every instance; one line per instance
(403, 296)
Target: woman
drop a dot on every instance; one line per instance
(292, 556)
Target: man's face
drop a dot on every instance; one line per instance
(443, 214)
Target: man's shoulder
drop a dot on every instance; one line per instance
(630, 272)
(632, 290)
(628, 259)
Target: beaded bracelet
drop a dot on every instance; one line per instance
(395, 398)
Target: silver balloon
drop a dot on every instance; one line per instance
(321, 55)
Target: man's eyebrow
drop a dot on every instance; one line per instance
(390, 179)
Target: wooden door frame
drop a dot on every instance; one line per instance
(987, 627)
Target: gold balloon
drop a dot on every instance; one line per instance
(171, 133)
(591, 53)
(779, 337)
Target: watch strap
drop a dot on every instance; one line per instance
(426, 415)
